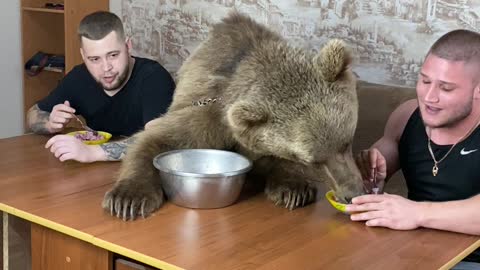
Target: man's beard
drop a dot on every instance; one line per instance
(457, 117)
(119, 80)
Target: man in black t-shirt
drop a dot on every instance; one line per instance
(435, 140)
(113, 91)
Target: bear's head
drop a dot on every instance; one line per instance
(299, 107)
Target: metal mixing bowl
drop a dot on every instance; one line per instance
(202, 178)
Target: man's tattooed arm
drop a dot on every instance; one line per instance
(116, 150)
(37, 120)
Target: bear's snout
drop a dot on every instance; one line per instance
(344, 177)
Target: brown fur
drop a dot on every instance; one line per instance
(294, 114)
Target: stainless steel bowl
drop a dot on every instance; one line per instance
(202, 178)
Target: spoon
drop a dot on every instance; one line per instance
(376, 188)
(87, 128)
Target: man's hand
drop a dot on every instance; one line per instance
(66, 147)
(386, 210)
(59, 117)
(373, 167)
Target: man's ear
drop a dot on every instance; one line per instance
(82, 54)
(128, 41)
(476, 91)
(244, 115)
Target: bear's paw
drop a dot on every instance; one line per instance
(128, 200)
(290, 195)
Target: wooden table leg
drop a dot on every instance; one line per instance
(54, 250)
(5, 240)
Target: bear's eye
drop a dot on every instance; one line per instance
(318, 163)
(294, 156)
(345, 147)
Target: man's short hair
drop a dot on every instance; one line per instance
(458, 45)
(97, 25)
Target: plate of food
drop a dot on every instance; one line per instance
(91, 137)
(333, 201)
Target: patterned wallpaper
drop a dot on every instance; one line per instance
(389, 37)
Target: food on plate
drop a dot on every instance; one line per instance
(89, 136)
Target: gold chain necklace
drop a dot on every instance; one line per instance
(435, 162)
(205, 102)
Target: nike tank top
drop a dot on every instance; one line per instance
(458, 174)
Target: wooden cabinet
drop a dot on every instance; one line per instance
(52, 31)
(54, 250)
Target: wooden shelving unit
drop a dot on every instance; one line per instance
(48, 10)
(52, 31)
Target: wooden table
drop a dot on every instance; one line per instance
(62, 201)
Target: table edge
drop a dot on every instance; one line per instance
(460, 256)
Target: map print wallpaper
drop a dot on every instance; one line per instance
(389, 38)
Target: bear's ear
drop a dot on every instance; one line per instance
(333, 59)
(243, 115)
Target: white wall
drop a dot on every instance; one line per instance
(116, 7)
(11, 70)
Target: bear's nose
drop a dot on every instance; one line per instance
(348, 200)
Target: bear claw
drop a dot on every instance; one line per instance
(127, 204)
(291, 195)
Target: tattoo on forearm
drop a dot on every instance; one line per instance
(38, 120)
(117, 150)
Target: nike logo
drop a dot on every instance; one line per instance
(464, 152)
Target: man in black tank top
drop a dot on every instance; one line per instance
(113, 91)
(460, 165)
(435, 141)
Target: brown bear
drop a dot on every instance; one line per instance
(292, 113)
